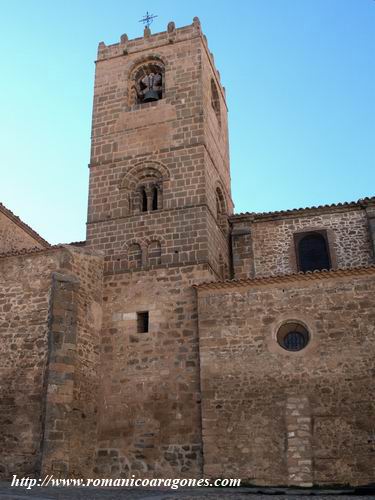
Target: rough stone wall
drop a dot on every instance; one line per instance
(59, 380)
(217, 224)
(150, 412)
(72, 376)
(89, 271)
(276, 417)
(25, 283)
(219, 248)
(181, 234)
(370, 212)
(217, 172)
(49, 326)
(13, 237)
(272, 243)
(242, 251)
(216, 134)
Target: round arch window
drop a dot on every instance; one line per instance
(147, 82)
(293, 336)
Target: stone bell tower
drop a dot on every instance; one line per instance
(159, 201)
(159, 161)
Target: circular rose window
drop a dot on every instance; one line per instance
(293, 336)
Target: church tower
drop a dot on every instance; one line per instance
(159, 166)
(159, 201)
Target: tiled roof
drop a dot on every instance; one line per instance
(308, 276)
(26, 251)
(23, 226)
(77, 243)
(351, 204)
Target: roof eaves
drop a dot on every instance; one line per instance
(279, 278)
(361, 203)
(30, 251)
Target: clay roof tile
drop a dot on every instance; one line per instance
(362, 202)
(309, 275)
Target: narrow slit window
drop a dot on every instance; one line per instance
(144, 200)
(142, 322)
(155, 198)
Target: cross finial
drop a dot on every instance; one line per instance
(147, 19)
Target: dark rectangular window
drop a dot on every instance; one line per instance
(142, 322)
(312, 251)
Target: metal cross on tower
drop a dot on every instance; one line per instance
(147, 19)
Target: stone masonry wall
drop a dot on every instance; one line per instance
(216, 136)
(150, 422)
(72, 375)
(276, 417)
(49, 324)
(242, 251)
(12, 237)
(218, 248)
(88, 269)
(25, 283)
(270, 248)
(181, 234)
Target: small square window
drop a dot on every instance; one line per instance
(142, 322)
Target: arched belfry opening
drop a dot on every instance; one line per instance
(147, 82)
(215, 101)
(221, 209)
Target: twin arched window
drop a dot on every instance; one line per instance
(136, 256)
(149, 196)
(149, 256)
(142, 188)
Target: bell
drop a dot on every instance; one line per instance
(151, 95)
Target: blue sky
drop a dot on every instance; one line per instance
(300, 80)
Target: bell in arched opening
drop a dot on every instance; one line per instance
(151, 86)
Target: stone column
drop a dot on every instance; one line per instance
(299, 441)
